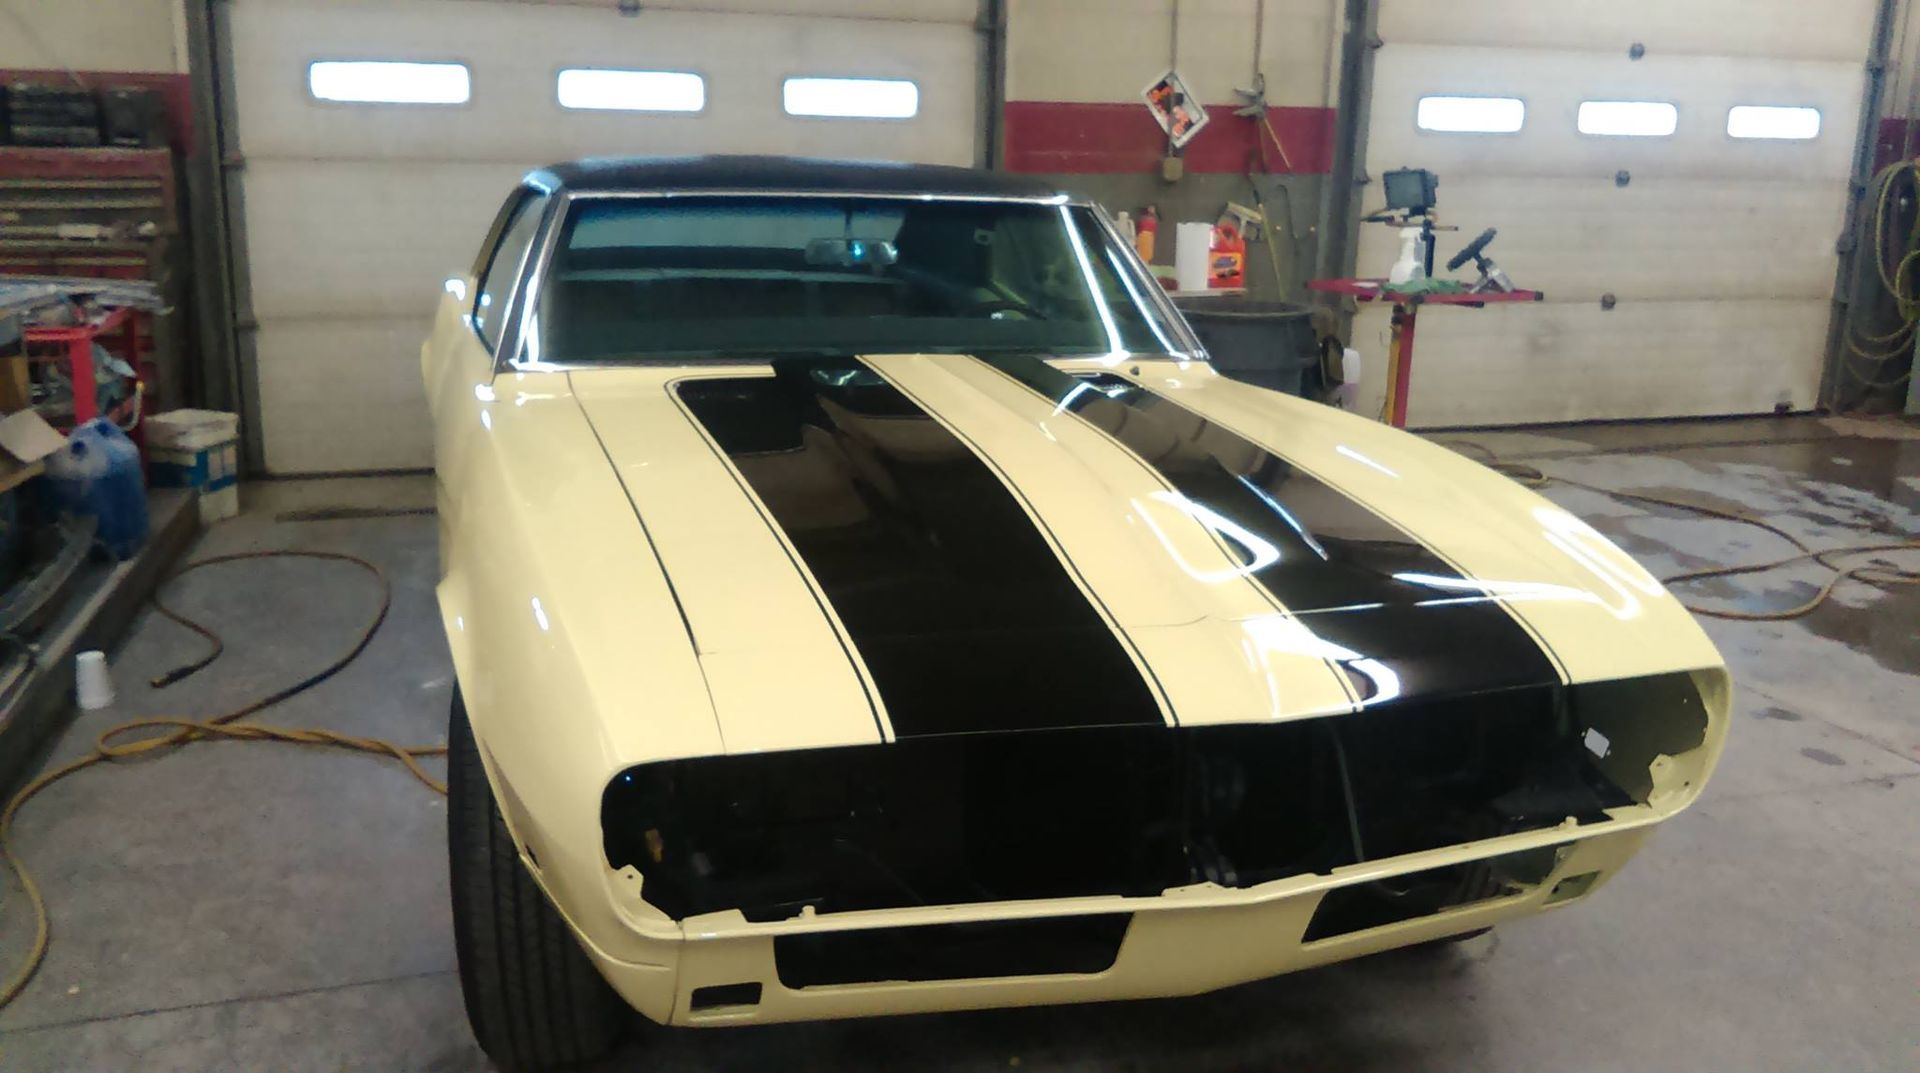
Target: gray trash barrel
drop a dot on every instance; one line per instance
(1269, 344)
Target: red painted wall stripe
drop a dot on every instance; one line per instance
(1067, 137)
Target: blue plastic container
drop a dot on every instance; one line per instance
(98, 473)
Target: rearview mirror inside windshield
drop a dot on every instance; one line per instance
(851, 252)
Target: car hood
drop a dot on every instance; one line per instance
(905, 545)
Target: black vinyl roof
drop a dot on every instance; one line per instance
(695, 174)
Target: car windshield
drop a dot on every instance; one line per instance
(634, 279)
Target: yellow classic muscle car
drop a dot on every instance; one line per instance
(865, 598)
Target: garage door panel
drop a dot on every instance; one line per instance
(1719, 251)
(1554, 84)
(355, 213)
(1519, 365)
(425, 224)
(343, 395)
(1831, 30)
(515, 51)
(1577, 239)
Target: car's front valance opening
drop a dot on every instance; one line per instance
(1135, 810)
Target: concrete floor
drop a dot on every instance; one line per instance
(252, 907)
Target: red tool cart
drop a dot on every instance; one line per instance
(1406, 310)
(74, 346)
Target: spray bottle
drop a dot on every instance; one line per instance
(1412, 264)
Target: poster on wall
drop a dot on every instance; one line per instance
(1173, 105)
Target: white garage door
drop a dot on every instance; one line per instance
(1718, 250)
(354, 212)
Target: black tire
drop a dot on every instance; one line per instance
(534, 1000)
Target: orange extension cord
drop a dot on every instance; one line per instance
(1871, 573)
(182, 731)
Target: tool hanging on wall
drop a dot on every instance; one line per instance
(1265, 218)
(1248, 221)
(1254, 106)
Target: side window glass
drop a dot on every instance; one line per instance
(496, 284)
(1034, 265)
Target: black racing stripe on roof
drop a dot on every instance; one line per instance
(1406, 624)
(965, 617)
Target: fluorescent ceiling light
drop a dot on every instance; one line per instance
(631, 91)
(1764, 121)
(1629, 119)
(852, 98)
(385, 82)
(1471, 115)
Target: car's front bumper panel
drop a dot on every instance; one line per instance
(1181, 943)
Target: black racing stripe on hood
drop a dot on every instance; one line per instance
(1406, 623)
(965, 617)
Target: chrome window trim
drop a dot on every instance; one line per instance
(527, 283)
(534, 270)
(1143, 276)
(484, 255)
(894, 195)
(489, 252)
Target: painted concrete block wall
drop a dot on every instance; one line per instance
(94, 35)
(1074, 73)
(1899, 120)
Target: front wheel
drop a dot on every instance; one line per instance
(534, 1000)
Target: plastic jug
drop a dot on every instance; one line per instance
(98, 473)
(1412, 264)
(1144, 232)
(1227, 267)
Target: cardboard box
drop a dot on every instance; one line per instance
(197, 449)
(26, 440)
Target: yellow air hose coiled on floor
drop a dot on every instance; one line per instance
(1897, 282)
(178, 731)
(1873, 573)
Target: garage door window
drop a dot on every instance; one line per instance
(1765, 121)
(496, 284)
(384, 82)
(852, 98)
(631, 91)
(1471, 115)
(1628, 119)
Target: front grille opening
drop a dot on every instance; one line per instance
(1128, 810)
(975, 950)
(1364, 906)
(716, 996)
